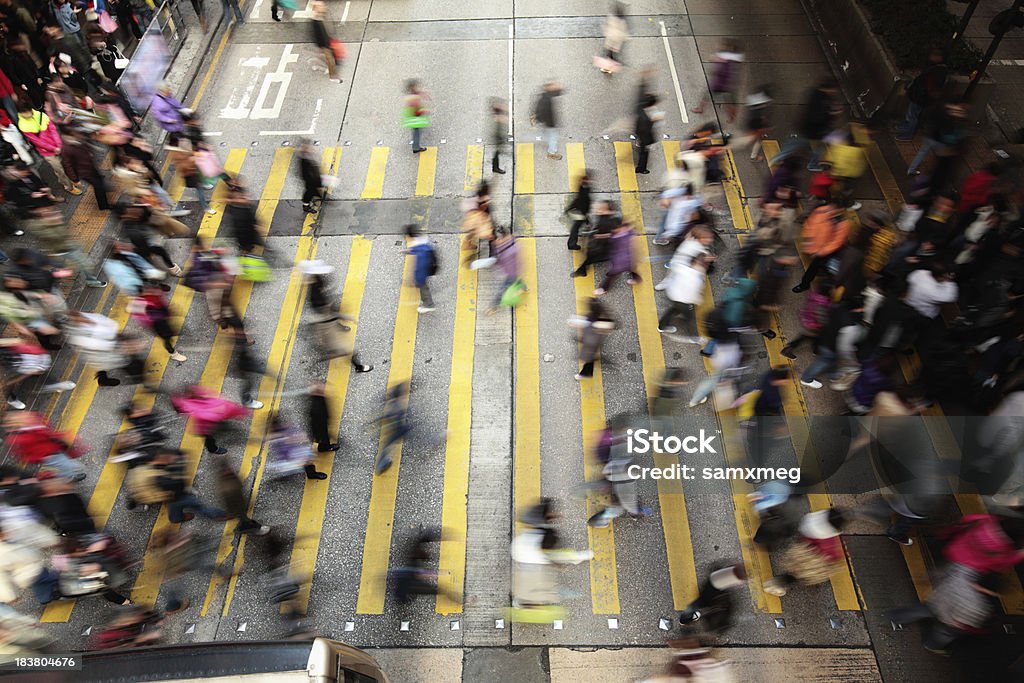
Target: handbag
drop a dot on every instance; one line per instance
(106, 22)
(513, 295)
(255, 269)
(338, 48)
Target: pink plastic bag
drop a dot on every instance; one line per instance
(106, 22)
(208, 164)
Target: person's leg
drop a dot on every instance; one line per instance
(331, 63)
(163, 330)
(99, 188)
(426, 300)
(496, 161)
(704, 389)
(922, 154)
(909, 125)
(237, 10)
(204, 203)
(161, 253)
(58, 168)
(210, 443)
(812, 272)
(911, 614)
(311, 472)
(641, 161)
(824, 362)
(606, 284)
(588, 369)
(574, 234)
(65, 466)
(76, 255)
(674, 310)
(416, 135)
(552, 136)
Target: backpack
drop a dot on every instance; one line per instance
(814, 311)
(737, 306)
(435, 263)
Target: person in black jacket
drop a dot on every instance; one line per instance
(816, 123)
(644, 132)
(597, 247)
(923, 92)
(579, 210)
(312, 180)
(248, 368)
(545, 115)
(320, 418)
(241, 215)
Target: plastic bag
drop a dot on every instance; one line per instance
(338, 48)
(255, 269)
(208, 164)
(513, 295)
(106, 22)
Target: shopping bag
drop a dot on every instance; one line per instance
(106, 22)
(513, 294)
(255, 269)
(208, 164)
(338, 48)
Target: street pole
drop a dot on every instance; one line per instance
(964, 21)
(1004, 22)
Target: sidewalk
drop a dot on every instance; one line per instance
(1007, 67)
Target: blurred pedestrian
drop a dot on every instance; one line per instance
(77, 161)
(425, 264)
(312, 179)
(923, 92)
(324, 40)
(152, 310)
(545, 115)
(209, 414)
(394, 423)
(578, 210)
(416, 112)
(726, 77)
(320, 418)
(685, 292)
(644, 131)
(234, 500)
(622, 259)
(592, 330)
(815, 554)
(616, 32)
(715, 600)
(290, 451)
(327, 321)
(40, 131)
(166, 109)
(820, 111)
(499, 132)
(599, 242)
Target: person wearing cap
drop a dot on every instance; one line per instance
(715, 597)
(424, 264)
(816, 554)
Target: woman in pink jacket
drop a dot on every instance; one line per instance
(39, 130)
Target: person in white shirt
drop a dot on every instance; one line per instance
(927, 290)
(685, 290)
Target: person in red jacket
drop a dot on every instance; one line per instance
(33, 442)
(977, 189)
(7, 96)
(984, 543)
(39, 130)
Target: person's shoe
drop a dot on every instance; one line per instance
(78, 477)
(577, 273)
(575, 247)
(60, 386)
(706, 353)
(425, 309)
(327, 448)
(662, 242)
(580, 377)
(499, 171)
(16, 404)
(319, 476)
(599, 292)
(144, 507)
(175, 270)
(856, 206)
(788, 353)
(334, 80)
(814, 169)
(913, 173)
(94, 282)
(74, 189)
(177, 213)
(800, 288)
(643, 172)
(769, 334)
(108, 381)
(694, 404)
(181, 358)
(182, 606)
(774, 587)
(903, 539)
(813, 384)
(556, 157)
(632, 281)
(220, 451)
(276, 18)
(254, 404)
(689, 617)
(382, 465)
(667, 330)
(208, 186)
(364, 368)
(211, 211)
(19, 232)
(262, 531)
(417, 150)
(642, 512)
(188, 517)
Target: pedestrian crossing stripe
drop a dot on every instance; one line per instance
(111, 476)
(844, 590)
(374, 186)
(524, 168)
(371, 597)
(147, 584)
(675, 522)
(425, 172)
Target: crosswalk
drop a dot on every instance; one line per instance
(349, 528)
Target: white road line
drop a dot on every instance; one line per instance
(308, 131)
(255, 14)
(344, 15)
(511, 33)
(675, 76)
(213, 133)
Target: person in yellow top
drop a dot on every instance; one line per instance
(824, 234)
(849, 162)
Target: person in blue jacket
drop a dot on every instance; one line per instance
(425, 265)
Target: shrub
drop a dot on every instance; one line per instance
(911, 28)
